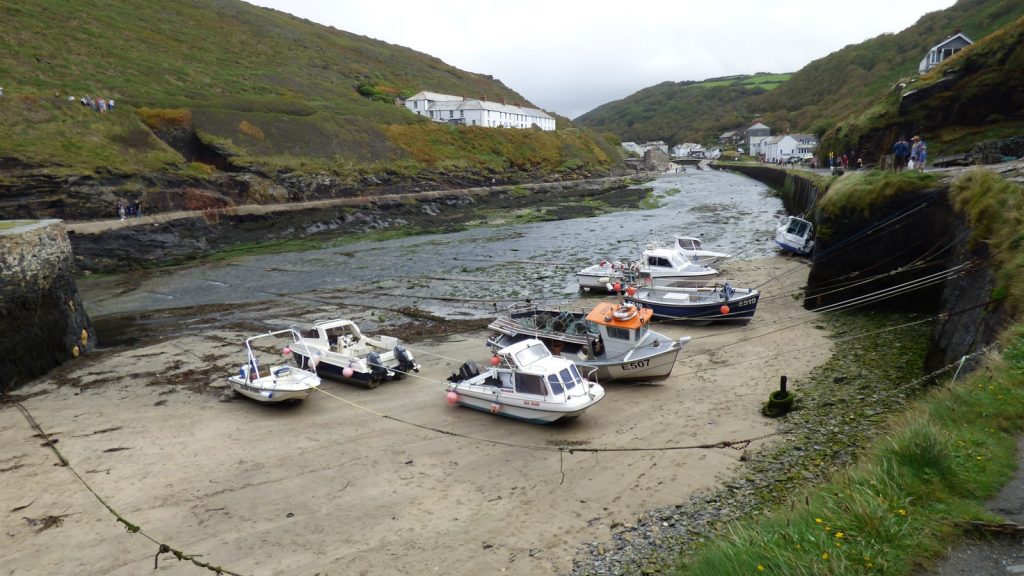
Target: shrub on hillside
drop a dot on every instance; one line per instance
(165, 118)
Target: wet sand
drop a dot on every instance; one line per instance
(329, 486)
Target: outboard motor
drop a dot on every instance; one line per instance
(405, 360)
(466, 371)
(377, 370)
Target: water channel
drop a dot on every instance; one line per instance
(468, 274)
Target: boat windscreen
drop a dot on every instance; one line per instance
(567, 378)
(527, 356)
(556, 386)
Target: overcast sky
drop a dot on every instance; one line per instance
(570, 56)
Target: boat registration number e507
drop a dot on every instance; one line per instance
(636, 365)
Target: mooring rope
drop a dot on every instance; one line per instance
(131, 527)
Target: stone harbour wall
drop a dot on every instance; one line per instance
(42, 320)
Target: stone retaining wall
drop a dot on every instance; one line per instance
(42, 320)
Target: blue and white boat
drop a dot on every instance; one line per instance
(796, 235)
(718, 303)
(526, 382)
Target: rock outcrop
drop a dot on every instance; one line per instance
(42, 320)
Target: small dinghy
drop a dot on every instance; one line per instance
(524, 382)
(603, 276)
(337, 349)
(272, 382)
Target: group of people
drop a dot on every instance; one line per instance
(912, 155)
(99, 104)
(131, 210)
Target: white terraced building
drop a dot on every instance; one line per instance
(459, 110)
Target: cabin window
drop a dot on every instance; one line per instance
(570, 382)
(618, 333)
(658, 261)
(556, 386)
(530, 384)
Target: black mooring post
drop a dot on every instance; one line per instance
(782, 385)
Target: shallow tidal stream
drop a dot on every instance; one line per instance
(473, 271)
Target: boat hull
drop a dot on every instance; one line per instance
(518, 408)
(649, 369)
(740, 309)
(273, 390)
(326, 369)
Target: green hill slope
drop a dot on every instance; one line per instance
(813, 99)
(224, 83)
(683, 111)
(976, 95)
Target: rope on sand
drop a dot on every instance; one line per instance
(129, 526)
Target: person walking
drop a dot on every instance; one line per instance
(901, 153)
(918, 153)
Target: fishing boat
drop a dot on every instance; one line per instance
(796, 235)
(272, 382)
(526, 382)
(717, 303)
(690, 247)
(667, 265)
(603, 276)
(611, 342)
(338, 349)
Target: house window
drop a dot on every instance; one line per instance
(451, 113)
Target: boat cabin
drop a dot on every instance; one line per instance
(535, 371)
(344, 335)
(621, 326)
(663, 259)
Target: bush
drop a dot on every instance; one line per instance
(159, 119)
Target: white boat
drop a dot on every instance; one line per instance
(272, 382)
(796, 235)
(667, 265)
(525, 382)
(603, 276)
(691, 248)
(611, 342)
(337, 349)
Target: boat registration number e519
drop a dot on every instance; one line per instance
(747, 302)
(636, 365)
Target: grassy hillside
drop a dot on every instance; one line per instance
(814, 98)
(683, 111)
(977, 95)
(262, 86)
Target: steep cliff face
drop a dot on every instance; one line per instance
(42, 320)
(908, 252)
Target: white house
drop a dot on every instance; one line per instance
(782, 147)
(756, 136)
(943, 50)
(459, 110)
(634, 148)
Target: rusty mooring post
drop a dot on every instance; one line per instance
(782, 385)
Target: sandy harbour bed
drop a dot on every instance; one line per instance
(326, 487)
